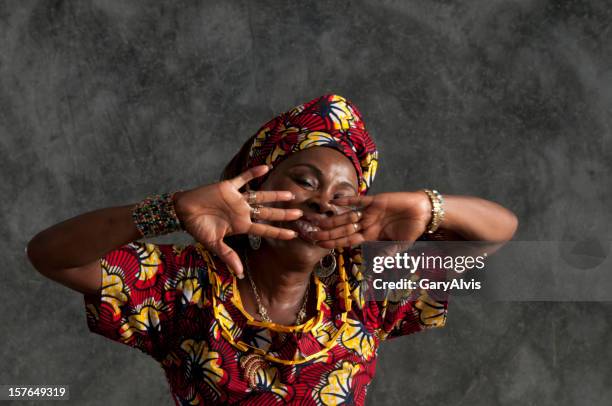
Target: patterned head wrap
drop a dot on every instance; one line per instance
(330, 121)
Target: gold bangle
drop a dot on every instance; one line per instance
(437, 210)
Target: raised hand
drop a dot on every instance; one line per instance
(397, 216)
(211, 212)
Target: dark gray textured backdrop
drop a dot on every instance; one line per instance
(104, 102)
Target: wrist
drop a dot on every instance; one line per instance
(423, 205)
(179, 207)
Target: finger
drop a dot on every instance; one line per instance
(369, 219)
(228, 256)
(335, 233)
(266, 230)
(356, 201)
(274, 214)
(351, 240)
(365, 218)
(341, 219)
(251, 173)
(268, 196)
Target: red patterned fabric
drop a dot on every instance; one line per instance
(181, 306)
(329, 121)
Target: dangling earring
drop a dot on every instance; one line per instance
(254, 241)
(327, 265)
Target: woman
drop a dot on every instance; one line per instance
(278, 316)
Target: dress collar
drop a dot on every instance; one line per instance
(276, 342)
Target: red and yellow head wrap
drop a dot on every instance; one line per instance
(329, 121)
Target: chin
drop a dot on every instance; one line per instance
(298, 249)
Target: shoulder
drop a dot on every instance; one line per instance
(142, 266)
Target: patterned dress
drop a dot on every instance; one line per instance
(180, 305)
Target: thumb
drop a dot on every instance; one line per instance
(229, 257)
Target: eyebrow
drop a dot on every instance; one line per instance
(320, 174)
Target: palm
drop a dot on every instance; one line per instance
(211, 212)
(399, 216)
(390, 216)
(224, 212)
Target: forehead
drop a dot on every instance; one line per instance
(328, 160)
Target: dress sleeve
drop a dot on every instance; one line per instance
(402, 312)
(411, 311)
(418, 311)
(140, 297)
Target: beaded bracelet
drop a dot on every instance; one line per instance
(155, 215)
(437, 210)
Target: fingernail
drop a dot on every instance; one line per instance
(269, 166)
(234, 273)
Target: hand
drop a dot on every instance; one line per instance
(398, 216)
(211, 212)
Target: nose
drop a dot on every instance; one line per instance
(320, 204)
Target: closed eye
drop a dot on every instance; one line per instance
(339, 196)
(303, 182)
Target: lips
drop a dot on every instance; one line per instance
(303, 227)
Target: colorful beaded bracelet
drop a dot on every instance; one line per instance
(155, 215)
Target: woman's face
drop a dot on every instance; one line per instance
(315, 176)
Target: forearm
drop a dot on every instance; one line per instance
(477, 219)
(82, 239)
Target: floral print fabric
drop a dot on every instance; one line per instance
(330, 121)
(181, 306)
